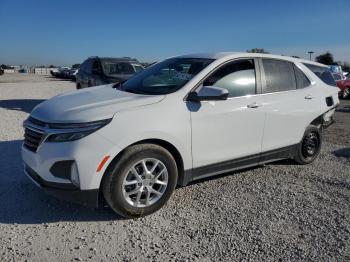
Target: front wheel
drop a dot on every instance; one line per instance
(141, 181)
(310, 146)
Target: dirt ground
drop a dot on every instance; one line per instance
(282, 211)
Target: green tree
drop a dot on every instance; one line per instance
(258, 50)
(346, 66)
(326, 58)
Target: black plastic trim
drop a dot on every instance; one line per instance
(44, 183)
(62, 169)
(65, 191)
(239, 163)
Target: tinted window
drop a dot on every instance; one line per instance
(83, 66)
(279, 76)
(302, 80)
(125, 68)
(165, 77)
(95, 65)
(117, 68)
(323, 73)
(88, 66)
(337, 77)
(237, 77)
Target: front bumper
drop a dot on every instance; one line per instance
(85, 155)
(64, 191)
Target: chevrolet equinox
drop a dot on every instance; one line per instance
(185, 118)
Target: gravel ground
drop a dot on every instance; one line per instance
(282, 211)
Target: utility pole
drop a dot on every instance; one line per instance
(310, 53)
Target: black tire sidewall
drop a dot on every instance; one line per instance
(306, 160)
(116, 199)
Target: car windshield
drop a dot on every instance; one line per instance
(117, 68)
(165, 77)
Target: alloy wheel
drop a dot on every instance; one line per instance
(145, 182)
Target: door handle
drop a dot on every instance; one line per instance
(308, 97)
(253, 105)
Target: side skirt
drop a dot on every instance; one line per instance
(239, 163)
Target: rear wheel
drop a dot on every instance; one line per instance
(346, 93)
(141, 181)
(310, 146)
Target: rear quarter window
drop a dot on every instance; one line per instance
(302, 80)
(323, 73)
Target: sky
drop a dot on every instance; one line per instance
(62, 32)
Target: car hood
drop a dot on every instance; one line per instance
(90, 104)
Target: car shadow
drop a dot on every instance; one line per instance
(54, 78)
(343, 152)
(344, 109)
(22, 202)
(25, 105)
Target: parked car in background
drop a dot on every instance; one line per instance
(72, 73)
(178, 121)
(60, 72)
(344, 85)
(105, 70)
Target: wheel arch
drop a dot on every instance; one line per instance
(160, 142)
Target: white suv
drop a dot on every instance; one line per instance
(179, 120)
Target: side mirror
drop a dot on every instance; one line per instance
(208, 93)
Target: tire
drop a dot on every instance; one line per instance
(309, 147)
(78, 86)
(346, 93)
(116, 188)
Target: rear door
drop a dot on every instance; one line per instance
(290, 103)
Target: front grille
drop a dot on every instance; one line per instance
(32, 139)
(36, 121)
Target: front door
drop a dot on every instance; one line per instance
(226, 130)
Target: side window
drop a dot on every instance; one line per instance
(322, 73)
(83, 66)
(125, 68)
(88, 66)
(279, 76)
(237, 77)
(302, 80)
(337, 77)
(95, 66)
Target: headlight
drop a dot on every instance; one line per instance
(74, 131)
